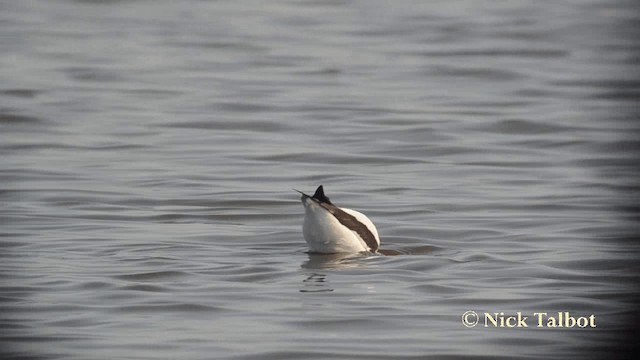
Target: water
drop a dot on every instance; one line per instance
(149, 149)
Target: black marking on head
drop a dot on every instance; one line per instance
(320, 196)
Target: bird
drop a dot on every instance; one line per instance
(329, 229)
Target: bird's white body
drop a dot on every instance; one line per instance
(324, 233)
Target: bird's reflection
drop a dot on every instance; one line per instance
(315, 283)
(335, 261)
(348, 260)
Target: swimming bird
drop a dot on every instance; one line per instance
(329, 229)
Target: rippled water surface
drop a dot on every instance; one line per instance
(148, 151)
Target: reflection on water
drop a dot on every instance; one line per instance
(335, 261)
(347, 260)
(316, 282)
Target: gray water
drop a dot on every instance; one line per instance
(149, 150)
